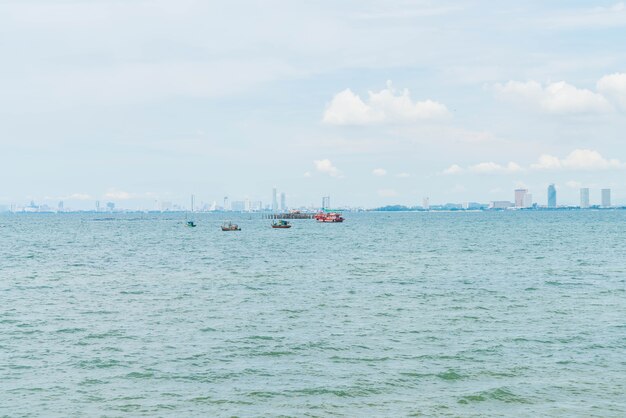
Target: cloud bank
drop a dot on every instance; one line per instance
(385, 106)
(577, 160)
(559, 98)
(326, 166)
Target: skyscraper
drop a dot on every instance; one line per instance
(606, 198)
(551, 196)
(520, 196)
(325, 202)
(283, 202)
(584, 197)
(528, 200)
(274, 200)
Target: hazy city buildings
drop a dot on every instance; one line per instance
(523, 199)
(274, 200)
(584, 197)
(283, 202)
(528, 200)
(606, 198)
(501, 204)
(238, 206)
(426, 203)
(325, 202)
(519, 197)
(551, 196)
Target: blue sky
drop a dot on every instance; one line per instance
(372, 102)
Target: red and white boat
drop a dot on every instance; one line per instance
(328, 217)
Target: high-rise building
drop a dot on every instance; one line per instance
(97, 206)
(584, 197)
(61, 206)
(326, 202)
(606, 198)
(283, 202)
(426, 203)
(520, 196)
(192, 202)
(500, 204)
(274, 200)
(226, 206)
(528, 200)
(238, 206)
(551, 196)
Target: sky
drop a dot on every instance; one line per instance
(371, 102)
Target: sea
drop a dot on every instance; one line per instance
(466, 314)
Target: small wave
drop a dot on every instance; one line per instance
(450, 375)
(499, 394)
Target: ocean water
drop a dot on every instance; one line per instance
(387, 314)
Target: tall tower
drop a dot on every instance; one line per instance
(528, 200)
(226, 203)
(326, 202)
(584, 197)
(606, 198)
(274, 200)
(520, 195)
(551, 196)
(283, 202)
(192, 202)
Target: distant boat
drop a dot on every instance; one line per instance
(281, 224)
(191, 224)
(330, 217)
(229, 226)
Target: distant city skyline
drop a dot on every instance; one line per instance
(522, 199)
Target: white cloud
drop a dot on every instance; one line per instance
(326, 167)
(387, 193)
(453, 169)
(546, 162)
(574, 184)
(491, 167)
(77, 196)
(118, 195)
(403, 175)
(559, 97)
(379, 172)
(579, 159)
(307, 174)
(613, 86)
(347, 108)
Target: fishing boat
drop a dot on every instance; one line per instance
(281, 224)
(191, 224)
(330, 217)
(229, 226)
